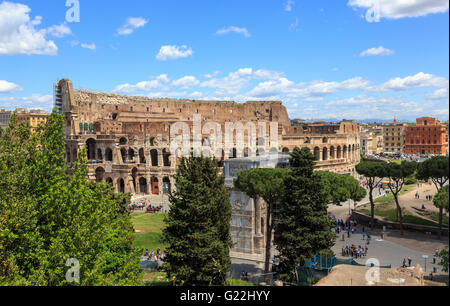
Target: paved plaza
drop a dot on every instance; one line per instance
(386, 252)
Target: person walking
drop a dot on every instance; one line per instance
(409, 261)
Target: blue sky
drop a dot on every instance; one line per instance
(324, 59)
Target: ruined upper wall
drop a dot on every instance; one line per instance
(96, 106)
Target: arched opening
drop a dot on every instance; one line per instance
(339, 152)
(99, 174)
(99, 154)
(221, 159)
(109, 181)
(167, 188)
(68, 157)
(325, 140)
(74, 155)
(152, 141)
(317, 153)
(154, 156)
(130, 154)
(345, 152)
(143, 186)
(121, 185)
(332, 153)
(123, 141)
(155, 186)
(134, 177)
(325, 154)
(109, 155)
(90, 143)
(233, 153)
(123, 153)
(286, 150)
(308, 140)
(166, 158)
(142, 159)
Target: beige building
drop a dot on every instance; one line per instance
(4, 118)
(34, 117)
(394, 137)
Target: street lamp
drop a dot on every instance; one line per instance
(425, 257)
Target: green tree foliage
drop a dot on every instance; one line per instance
(373, 173)
(441, 201)
(267, 184)
(198, 225)
(303, 229)
(48, 217)
(397, 174)
(335, 187)
(341, 188)
(436, 169)
(443, 255)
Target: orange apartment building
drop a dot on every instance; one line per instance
(426, 136)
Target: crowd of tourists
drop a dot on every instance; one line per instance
(355, 252)
(152, 256)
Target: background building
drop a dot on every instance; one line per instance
(426, 136)
(4, 118)
(394, 137)
(34, 117)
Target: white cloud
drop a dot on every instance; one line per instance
(316, 99)
(230, 85)
(294, 26)
(89, 46)
(131, 25)
(173, 52)
(34, 101)
(419, 80)
(59, 30)
(267, 74)
(8, 87)
(234, 29)
(378, 51)
(396, 9)
(186, 82)
(288, 6)
(211, 75)
(439, 94)
(18, 34)
(157, 83)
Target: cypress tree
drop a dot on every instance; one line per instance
(198, 225)
(303, 228)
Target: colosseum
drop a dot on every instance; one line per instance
(128, 138)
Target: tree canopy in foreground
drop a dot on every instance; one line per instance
(48, 217)
(198, 225)
(303, 228)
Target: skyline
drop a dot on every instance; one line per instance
(322, 60)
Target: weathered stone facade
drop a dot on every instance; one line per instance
(128, 138)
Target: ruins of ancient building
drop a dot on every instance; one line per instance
(128, 138)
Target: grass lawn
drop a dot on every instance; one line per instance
(159, 279)
(390, 197)
(148, 231)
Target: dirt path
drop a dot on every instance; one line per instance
(410, 204)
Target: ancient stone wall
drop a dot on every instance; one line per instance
(128, 138)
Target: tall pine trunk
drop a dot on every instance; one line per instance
(269, 229)
(441, 213)
(399, 213)
(372, 209)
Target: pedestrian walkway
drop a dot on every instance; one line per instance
(386, 252)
